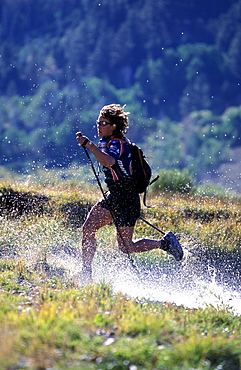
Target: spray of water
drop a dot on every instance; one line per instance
(192, 283)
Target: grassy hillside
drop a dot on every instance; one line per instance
(49, 321)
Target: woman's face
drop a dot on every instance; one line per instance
(104, 128)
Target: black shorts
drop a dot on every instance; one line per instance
(124, 206)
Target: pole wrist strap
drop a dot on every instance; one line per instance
(85, 142)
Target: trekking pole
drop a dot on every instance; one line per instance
(110, 210)
(154, 227)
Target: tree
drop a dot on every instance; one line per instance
(164, 146)
(232, 122)
(204, 67)
(207, 141)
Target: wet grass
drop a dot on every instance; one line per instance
(48, 324)
(48, 321)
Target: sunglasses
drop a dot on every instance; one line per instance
(102, 123)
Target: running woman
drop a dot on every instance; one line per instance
(121, 202)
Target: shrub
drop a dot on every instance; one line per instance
(211, 190)
(174, 180)
(15, 203)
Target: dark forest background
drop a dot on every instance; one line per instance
(175, 64)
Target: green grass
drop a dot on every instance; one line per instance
(48, 324)
(48, 321)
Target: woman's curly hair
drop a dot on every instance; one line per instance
(116, 115)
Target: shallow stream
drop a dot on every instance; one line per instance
(198, 281)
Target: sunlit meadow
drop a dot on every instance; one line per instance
(160, 315)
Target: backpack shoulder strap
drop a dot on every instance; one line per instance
(119, 139)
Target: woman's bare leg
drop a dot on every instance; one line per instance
(97, 218)
(124, 237)
(168, 243)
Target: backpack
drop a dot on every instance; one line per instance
(141, 172)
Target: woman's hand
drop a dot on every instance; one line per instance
(104, 158)
(82, 140)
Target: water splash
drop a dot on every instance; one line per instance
(192, 283)
(176, 284)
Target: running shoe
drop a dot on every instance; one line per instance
(171, 245)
